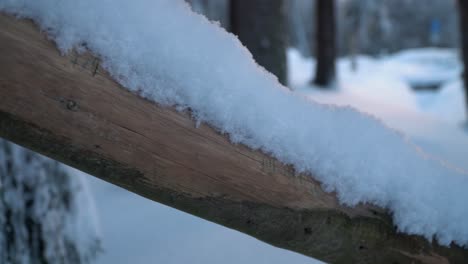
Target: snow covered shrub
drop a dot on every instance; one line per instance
(43, 211)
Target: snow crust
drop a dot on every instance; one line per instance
(166, 53)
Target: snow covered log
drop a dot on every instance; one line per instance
(68, 108)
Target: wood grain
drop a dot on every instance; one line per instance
(69, 108)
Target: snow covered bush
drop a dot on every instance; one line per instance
(44, 212)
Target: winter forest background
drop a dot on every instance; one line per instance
(381, 26)
(396, 59)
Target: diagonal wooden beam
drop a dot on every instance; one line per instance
(68, 108)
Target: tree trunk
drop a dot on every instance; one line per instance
(68, 108)
(214, 10)
(261, 27)
(325, 43)
(463, 20)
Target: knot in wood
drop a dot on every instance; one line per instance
(72, 105)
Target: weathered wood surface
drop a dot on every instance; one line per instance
(68, 108)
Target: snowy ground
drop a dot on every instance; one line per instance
(136, 230)
(435, 120)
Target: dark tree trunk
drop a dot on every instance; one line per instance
(261, 27)
(463, 17)
(325, 42)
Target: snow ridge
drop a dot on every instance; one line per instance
(163, 51)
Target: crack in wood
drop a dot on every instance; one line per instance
(86, 61)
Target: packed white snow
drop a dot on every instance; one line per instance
(165, 52)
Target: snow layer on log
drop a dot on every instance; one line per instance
(163, 51)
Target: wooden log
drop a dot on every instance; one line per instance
(68, 108)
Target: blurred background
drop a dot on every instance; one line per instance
(398, 60)
(380, 26)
